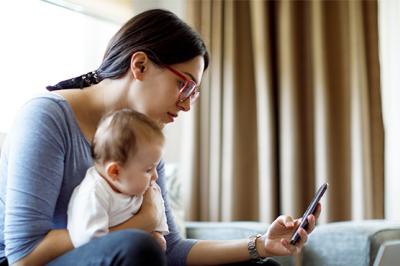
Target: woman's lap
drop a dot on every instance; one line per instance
(127, 247)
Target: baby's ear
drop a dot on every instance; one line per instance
(112, 169)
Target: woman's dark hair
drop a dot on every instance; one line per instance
(164, 37)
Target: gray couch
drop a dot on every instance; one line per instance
(333, 244)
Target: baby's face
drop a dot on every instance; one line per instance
(138, 173)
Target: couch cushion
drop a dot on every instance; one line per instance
(348, 243)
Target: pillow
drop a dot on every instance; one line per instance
(173, 186)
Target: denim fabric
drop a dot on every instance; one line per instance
(122, 248)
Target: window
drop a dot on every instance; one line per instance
(389, 43)
(42, 44)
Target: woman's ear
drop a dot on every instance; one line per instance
(139, 64)
(113, 170)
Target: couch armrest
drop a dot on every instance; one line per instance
(388, 253)
(230, 230)
(353, 243)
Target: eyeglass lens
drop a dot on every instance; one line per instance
(189, 90)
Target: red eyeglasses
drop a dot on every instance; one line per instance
(189, 88)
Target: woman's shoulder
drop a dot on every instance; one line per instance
(47, 108)
(47, 116)
(45, 102)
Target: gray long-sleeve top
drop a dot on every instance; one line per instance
(44, 158)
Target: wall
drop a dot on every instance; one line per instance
(41, 45)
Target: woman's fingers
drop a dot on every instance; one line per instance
(286, 220)
(312, 219)
(295, 249)
(303, 237)
(311, 223)
(290, 248)
(317, 211)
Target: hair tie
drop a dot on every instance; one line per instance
(90, 78)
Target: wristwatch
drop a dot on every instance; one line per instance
(251, 247)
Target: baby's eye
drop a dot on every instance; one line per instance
(149, 170)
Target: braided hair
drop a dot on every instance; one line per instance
(164, 37)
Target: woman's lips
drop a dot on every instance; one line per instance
(172, 116)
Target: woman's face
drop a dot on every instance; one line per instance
(159, 91)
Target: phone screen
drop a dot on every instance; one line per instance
(310, 210)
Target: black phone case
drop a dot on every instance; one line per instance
(310, 210)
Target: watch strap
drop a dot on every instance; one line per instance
(251, 247)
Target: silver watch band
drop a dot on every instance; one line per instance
(251, 247)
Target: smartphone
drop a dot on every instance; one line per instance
(310, 210)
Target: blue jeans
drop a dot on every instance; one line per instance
(122, 248)
(126, 247)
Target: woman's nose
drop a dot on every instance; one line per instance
(185, 105)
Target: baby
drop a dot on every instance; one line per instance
(126, 149)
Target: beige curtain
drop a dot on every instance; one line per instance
(291, 100)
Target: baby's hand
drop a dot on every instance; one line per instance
(160, 240)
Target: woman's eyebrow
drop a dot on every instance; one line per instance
(191, 76)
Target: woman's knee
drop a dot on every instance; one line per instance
(138, 248)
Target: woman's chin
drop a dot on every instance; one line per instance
(162, 124)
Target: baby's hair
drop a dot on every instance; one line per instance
(117, 136)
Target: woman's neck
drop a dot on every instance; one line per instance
(91, 103)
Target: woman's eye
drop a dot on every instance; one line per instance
(181, 83)
(149, 170)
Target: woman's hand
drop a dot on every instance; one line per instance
(152, 206)
(150, 214)
(275, 242)
(160, 240)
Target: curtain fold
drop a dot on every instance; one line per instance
(291, 100)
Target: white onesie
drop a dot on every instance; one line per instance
(94, 207)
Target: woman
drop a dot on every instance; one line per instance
(153, 65)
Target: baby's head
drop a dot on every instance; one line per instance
(126, 149)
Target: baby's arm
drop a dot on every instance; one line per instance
(160, 239)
